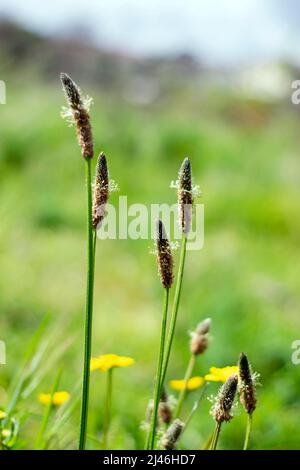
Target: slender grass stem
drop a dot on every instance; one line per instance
(208, 442)
(89, 311)
(215, 437)
(195, 407)
(188, 374)
(107, 412)
(248, 431)
(39, 443)
(174, 310)
(157, 389)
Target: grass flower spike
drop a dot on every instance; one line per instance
(217, 374)
(192, 384)
(172, 435)
(164, 409)
(58, 398)
(221, 410)
(101, 191)
(199, 337)
(247, 393)
(78, 113)
(164, 256)
(246, 385)
(185, 196)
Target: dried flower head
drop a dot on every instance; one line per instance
(199, 337)
(101, 191)
(79, 113)
(164, 256)
(246, 384)
(172, 435)
(185, 196)
(221, 410)
(164, 408)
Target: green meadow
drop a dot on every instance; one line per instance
(245, 158)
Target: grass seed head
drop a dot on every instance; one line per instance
(172, 435)
(80, 115)
(199, 337)
(185, 196)
(246, 385)
(221, 410)
(164, 409)
(101, 191)
(164, 256)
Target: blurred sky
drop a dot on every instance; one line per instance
(218, 31)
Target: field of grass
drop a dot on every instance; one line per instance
(245, 157)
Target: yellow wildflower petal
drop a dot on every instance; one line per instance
(192, 384)
(108, 361)
(44, 398)
(124, 361)
(176, 384)
(59, 398)
(2, 414)
(94, 365)
(221, 374)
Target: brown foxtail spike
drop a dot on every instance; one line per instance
(222, 409)
(246, 385)
(172, 435)
(164, 256)
(101, 191)
(80, 115)
(185, 196)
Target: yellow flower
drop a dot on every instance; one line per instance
(192, 384)
(2, 414)
(6, 432)
(108, 361)
(217, 374)
(58, 398)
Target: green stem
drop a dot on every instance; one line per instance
(195, 407)
(174, 310)
(89, 311)
(207, 444)
(157, 388)
(215, 437)
(248, 431)
(108, 402)
(38, 443)
(183, 392)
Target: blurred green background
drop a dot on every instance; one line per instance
(244, 150)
